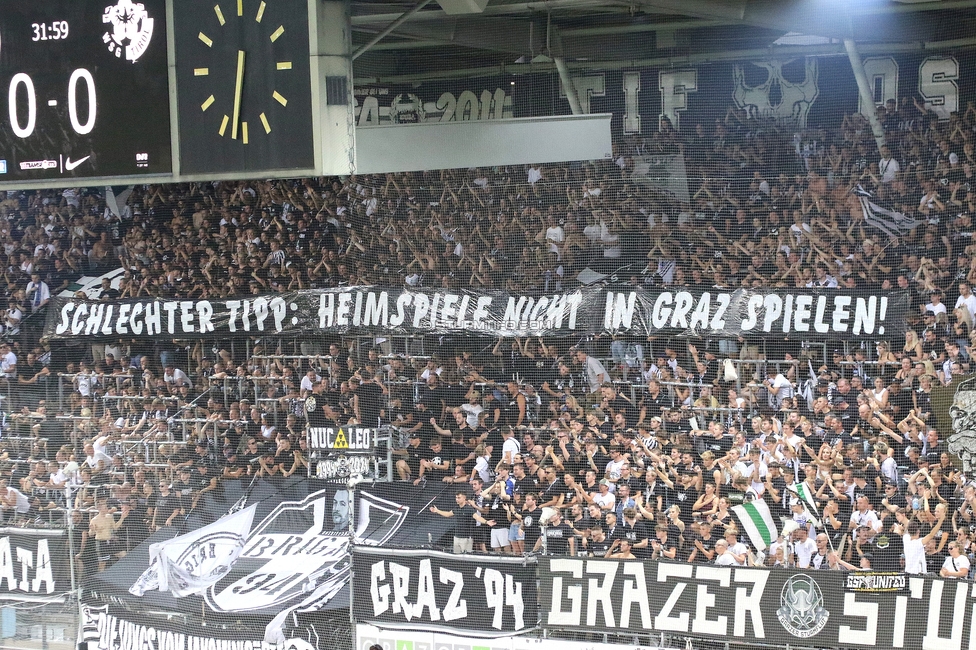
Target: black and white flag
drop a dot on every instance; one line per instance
(888, 221)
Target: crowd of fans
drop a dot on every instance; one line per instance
(628, 447)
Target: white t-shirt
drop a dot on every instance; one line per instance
(726, 559)
(613, 469)
(509, 449)
(471, 412)
(889, 169)
(956, 563)
(605, 501)
(889, 469)
(177, 377)
(484, 470)
(785, 388)
(804, 551)
(867, 518)
(739, 549)
(970, 303)
(757, 484)
(914, 555)
(8, 363)
(23, 503)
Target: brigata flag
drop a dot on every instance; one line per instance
(188, 564)
(803, 491)
(757, 522)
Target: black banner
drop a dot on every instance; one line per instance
(775, 607)
(105, 627)
(481, 596)
(801, 314)
(283, 554)
(812, 92)
(35, 565)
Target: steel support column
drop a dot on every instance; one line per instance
(567, 81)
(864, 89)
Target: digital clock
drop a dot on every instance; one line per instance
(54, 32)
(83, 89)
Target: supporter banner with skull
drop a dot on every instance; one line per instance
(278, 559)
(35, 565)
(484, 596)
(799, 314)
(780, 607)
(788, 90)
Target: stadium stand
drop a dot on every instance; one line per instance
(642, 447)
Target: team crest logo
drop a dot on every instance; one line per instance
(131, 31)
(801, 611)
(407, 108)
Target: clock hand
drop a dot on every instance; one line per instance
(237, 93)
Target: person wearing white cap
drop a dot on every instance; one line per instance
(604, 498)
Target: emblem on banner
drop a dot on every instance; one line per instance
(962, 440)
(801, 611)
(781, 97)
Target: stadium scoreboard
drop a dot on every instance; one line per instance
(98, 91)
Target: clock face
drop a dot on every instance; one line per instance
(243, 83)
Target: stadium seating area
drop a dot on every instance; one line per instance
(638, 444)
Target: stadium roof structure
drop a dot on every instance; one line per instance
(410, 41)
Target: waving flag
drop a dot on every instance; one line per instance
(803, 491)
(758, 523)
(188, 564)
(888, 221)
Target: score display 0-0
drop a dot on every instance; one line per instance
(83, 89)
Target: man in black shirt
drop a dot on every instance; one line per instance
(367, 400)
(528, 518)
(634, 530)
(558, 537)
(596, 543)
(553, 493)
(249, 458)
(166, 508)
(655, 401)
(435, 463)
(524, 483)
(315, 406)
(232, 464)
(409, 465)
(464, 516)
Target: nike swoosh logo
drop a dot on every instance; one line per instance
(70, 164)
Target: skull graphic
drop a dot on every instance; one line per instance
(779, 97)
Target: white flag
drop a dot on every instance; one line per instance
(188, 564)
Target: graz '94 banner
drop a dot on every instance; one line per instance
(420, 589)
(781, 607)
(800, 314)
